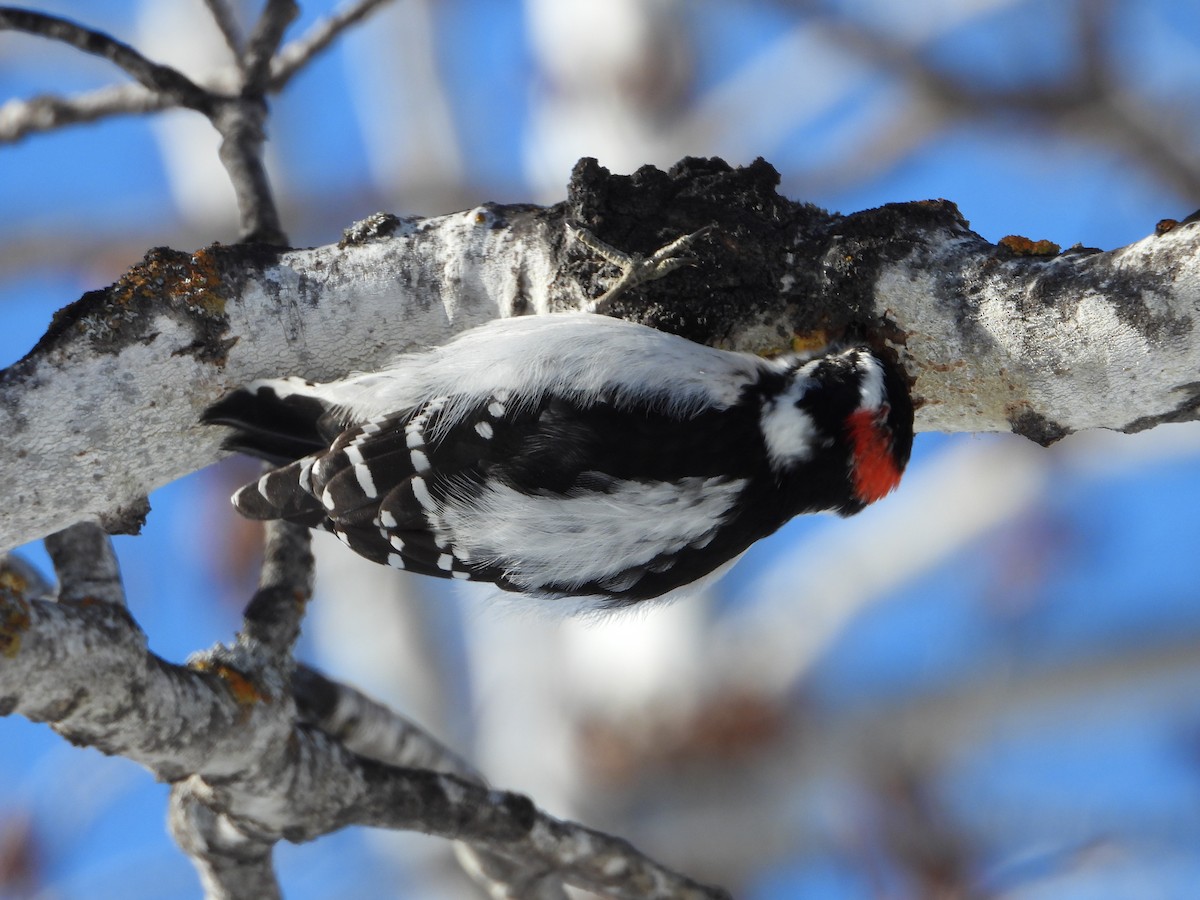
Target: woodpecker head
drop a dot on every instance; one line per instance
(848, 401)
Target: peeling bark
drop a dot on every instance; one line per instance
(104, 408)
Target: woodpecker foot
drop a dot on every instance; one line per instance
(637, 268)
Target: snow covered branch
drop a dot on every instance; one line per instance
(1014, 336)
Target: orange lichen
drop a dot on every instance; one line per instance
(1165, 225)
(195, 279)
(14, 620)
(810, 342)
(13, 583)
(1023, 246)
(243, 690)
(205, 281)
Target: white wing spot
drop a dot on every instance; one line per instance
(496, 409)
(460, 574)
(412, 435)
(421, 492)
(395, 541)
(387, 520)
(395, 560)
(306, 476)
(327, 500)
(445, 562)
(366, 482)
(361, 471)
(420, 461)
(502, 395)
(484, 429)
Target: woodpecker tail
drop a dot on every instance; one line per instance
(282, 422)
(277, 420)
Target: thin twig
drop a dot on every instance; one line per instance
(241, 124)
(47, 112)
(227, 23)
(231, 863)
(162, 79)
(264, 41)
(86, 565)
(293, 57)
(274, 614)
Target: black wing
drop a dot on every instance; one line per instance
(395, 490)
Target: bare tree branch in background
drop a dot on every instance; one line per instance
(1093, 99)
(911, 278)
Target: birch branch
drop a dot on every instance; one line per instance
(247, 774)
(994, 337)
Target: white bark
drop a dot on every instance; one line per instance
(1081, 340)
(105, 408)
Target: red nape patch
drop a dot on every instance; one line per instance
(875, 472)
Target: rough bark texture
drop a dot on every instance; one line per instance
(249, 768)
(994, 337)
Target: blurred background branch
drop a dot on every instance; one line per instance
(983, 688)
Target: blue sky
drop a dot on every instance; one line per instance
(1078, 794)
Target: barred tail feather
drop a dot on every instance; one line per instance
(279, 494)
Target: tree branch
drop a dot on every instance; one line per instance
(86, 566)
(154, 76)
(241, 123)
(275, 612)
(226, 22)
(370, 729)
(232, 865)
(264, 41)
(373, 731)
(993, 339)
(224, 729)
(297, 54)
(19, 118)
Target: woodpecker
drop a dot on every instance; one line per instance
(574, 458)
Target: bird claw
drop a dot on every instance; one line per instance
(636, 268)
